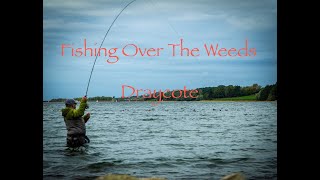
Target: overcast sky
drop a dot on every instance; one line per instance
(155, 24)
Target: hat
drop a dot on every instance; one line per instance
(70, 102)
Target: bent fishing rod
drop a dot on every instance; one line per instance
(102, 43)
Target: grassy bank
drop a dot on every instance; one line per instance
(241, 98)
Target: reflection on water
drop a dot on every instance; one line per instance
(176, 140)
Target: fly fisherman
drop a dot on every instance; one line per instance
(75, 122)
(73, 118)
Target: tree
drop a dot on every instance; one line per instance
(229, 91)
(218, 92)
(273, 93)
(267, 93)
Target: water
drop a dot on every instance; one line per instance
(175, 140)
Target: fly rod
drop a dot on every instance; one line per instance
(102, 43)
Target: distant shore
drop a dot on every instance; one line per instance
(234, 101)
(250, 98)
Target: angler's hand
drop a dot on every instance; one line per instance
(84, 98)
(87, 116)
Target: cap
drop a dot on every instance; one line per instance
(70, 102)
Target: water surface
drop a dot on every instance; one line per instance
(175, 140)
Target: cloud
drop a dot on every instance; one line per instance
(154, 23)
(192, 16)
(252, 22)
(64, 25)
(81, 7)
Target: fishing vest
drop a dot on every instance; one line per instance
(75, 126)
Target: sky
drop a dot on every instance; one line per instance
(155, 24)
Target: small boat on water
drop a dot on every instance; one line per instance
(97, 101)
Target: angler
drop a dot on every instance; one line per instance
(76, 122)
(74, 119)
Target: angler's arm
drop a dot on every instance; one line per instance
(80, 111)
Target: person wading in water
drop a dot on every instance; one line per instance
(75, 122)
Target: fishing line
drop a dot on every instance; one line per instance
(171, 26)
(103, 41)
(178, 34)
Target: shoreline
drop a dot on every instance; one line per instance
(174, 101)
(234, 101)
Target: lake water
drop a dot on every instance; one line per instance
(175, 140)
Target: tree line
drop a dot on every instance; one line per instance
(267, 93)
(97, 98)
(211, 93)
